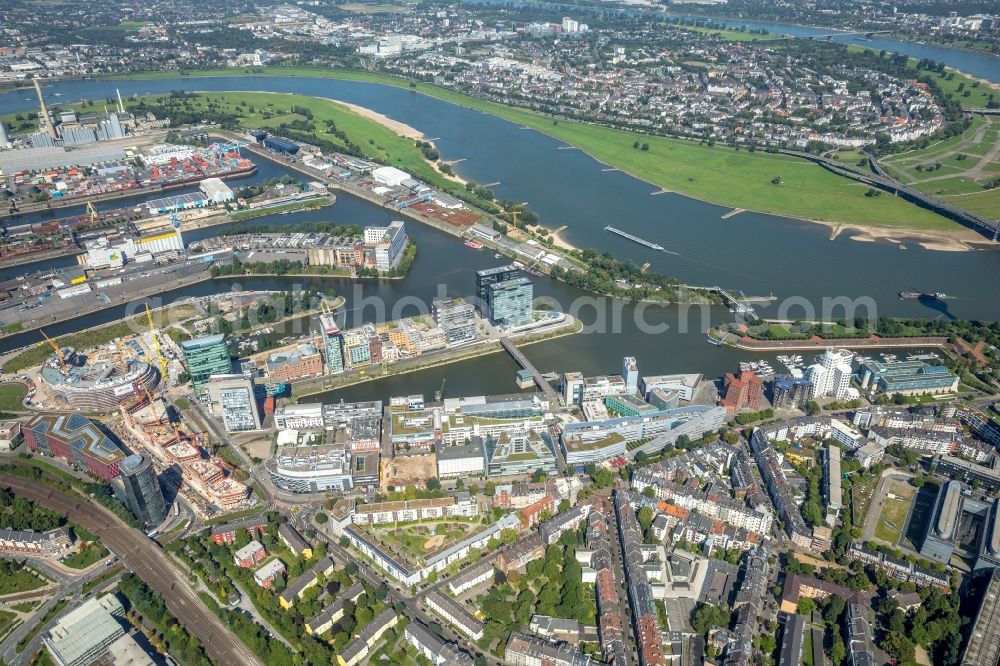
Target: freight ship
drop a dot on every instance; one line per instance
(635, 239)
(930, 295)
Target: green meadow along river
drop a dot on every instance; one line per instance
(759, 254)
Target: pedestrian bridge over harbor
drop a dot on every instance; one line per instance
(522, 360)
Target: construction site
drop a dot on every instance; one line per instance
(120, 374)
(180, 454)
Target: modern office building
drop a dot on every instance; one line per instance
(456, 318)
(519, 453)
(233, 399)
(789, 391)
(77, 440)
(983, 647)
(311, 469)
(138, 487)
(630, 371)
(593, 441)
(986, 478)
(942, 530)
(488, 277)
(628, 405)
(303, 416)
(206, 355)
(389, 248)
(334, 344)
(572, 388)
(83, 635)
(907, 378)
(464, 460)
(511, 302)
(832, 375)
(302, 363)
(685, 384)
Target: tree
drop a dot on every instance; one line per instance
(433, 483)
(776, 180)
(707, 616)
(645, 517)
(321, 518)
(812, 408)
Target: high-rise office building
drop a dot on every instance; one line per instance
(233, 398)
(139, 489)
(510, 302)
(206, 355)
(630, 371)
(490, 276)
(832, 375)
(334, 344)
(456, 318)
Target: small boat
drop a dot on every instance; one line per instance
(497, 255)
(924, 295)
(475, 245)
(284, 212)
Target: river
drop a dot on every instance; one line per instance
(757, 253)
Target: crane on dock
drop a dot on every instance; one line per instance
(59, 354)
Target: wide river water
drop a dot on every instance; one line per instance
(759, 254)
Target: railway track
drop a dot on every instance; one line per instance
(146, 560)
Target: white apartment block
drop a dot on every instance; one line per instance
(299, 417)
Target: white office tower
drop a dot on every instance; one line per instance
(630, 371)
(817, 376)
(4, 141)
(832, 375)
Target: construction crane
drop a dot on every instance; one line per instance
(156, 343)
(92, 212)
(59, 354)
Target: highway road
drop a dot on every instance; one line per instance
(142, 556)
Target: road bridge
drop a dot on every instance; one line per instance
(877, 177)
(523, 361)
(829, 36)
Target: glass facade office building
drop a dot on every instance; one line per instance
(233, 399)
(139, 489)
(206, 355)
(510, 302)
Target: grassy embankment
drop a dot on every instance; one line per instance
(717, 174)
(965, 190)
(11, 396)
(101, 335)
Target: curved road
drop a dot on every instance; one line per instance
(148, 562)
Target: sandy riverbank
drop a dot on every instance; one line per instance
(959, 240)
(400, 128)
(558, 240)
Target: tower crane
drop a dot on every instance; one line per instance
(59, 354)
(156, 343)
(92, 214)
